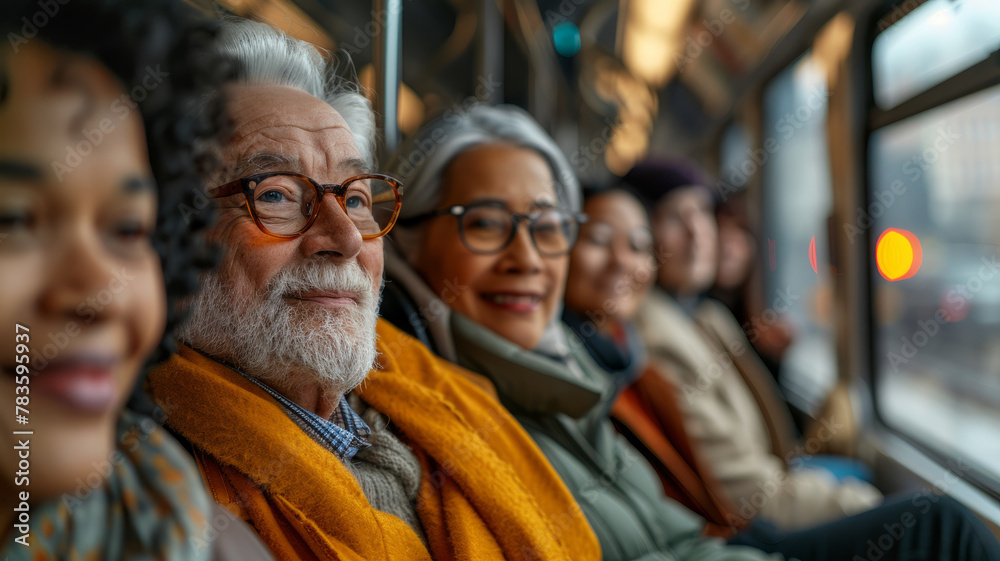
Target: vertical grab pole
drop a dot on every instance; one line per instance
(489, 64)
(387, 51)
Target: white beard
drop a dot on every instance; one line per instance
(289, 346)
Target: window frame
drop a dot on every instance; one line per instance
(977, 78)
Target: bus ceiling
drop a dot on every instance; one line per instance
(630, 76)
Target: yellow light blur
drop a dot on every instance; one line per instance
(895, 255)
(656, 13)
(285, 16)
(833, 46)
(652, 37)
(629, 143)
(636, 98)
(898, 254)
(410, 110)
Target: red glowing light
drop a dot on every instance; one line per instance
(812, 254)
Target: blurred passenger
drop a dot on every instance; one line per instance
(731, 406)
(734, 284)
(95, 157)
(420, 462)
(611, 270)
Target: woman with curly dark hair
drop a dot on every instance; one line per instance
(103, 113)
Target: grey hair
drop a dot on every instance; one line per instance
(421, 161)
(262, 54)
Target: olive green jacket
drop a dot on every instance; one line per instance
(563, 404)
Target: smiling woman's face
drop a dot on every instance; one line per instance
(516, 291)
(77, 205)
(612, 266)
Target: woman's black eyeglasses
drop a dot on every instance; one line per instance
(489, 227)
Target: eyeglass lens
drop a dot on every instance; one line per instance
(486, 229)
(284, 203)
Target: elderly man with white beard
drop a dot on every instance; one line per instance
(418, 462)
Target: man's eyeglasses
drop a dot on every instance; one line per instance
(489, 227)
(285, 205)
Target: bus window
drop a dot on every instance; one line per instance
(797, 200)
(733, 161)
(919, 48)
(936, 286)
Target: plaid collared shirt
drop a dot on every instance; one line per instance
(344, 434)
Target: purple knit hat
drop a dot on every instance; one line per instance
(654, 178)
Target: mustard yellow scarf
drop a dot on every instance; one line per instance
(487, 492)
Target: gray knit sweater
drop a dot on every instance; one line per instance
(388, 471)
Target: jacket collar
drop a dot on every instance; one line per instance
(622, 356)
(556, 377)
(528, 380)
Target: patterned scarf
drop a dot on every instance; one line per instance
(153, 505)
